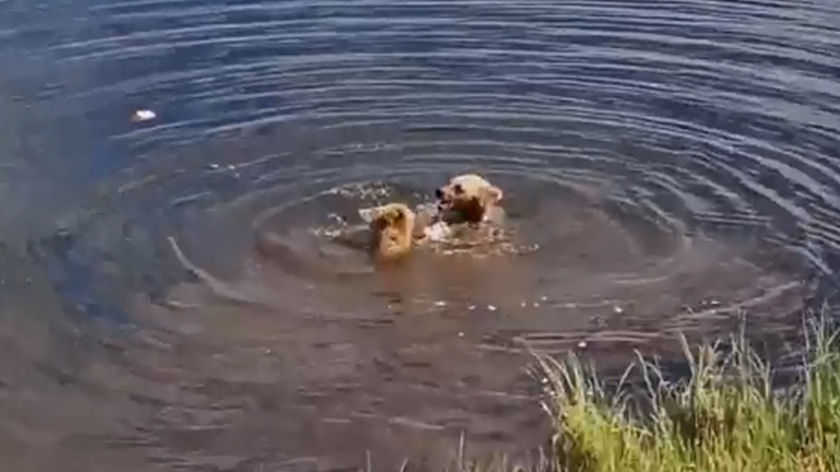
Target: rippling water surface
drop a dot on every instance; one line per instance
(675, 163)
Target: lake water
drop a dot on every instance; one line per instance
(675, 166)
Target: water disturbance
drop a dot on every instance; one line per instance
(169, 171)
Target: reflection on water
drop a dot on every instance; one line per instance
(167, 300)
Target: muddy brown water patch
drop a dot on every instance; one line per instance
(402, 361)
(674, 164)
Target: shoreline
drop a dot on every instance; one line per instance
(726, 415)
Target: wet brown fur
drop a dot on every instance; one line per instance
(468, 198)
(392, 231)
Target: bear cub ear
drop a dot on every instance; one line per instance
(396, 215)
(389, 214)
(492, 195)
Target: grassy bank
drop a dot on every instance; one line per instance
(725, 417)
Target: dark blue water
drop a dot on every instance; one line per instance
(677, 160)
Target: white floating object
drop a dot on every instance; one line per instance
(438, 231)
(618, 310)
(143, 115)
(582, 345)
(492, 307)
(367, 214)
(440, 303)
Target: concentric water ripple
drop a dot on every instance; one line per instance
(676, 163)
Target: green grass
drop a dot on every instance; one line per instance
(726, 416)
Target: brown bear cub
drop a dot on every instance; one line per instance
(470, 198)
(393, 230)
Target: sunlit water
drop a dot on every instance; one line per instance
(674, 165)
